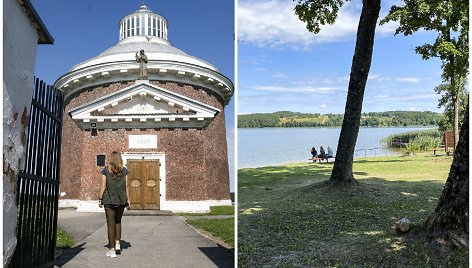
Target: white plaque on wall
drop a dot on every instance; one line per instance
(142, 141)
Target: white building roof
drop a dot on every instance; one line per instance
(156, 49)
(144, 30)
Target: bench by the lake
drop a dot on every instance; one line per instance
(319, 159)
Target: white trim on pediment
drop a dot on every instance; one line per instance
(111, 72)
(143, 105)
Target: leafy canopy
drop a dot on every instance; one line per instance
(317, 12)
(449, 18)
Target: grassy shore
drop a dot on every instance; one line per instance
(289, 218)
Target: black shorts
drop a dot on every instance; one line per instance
(112, 206)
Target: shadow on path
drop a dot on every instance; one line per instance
(63, 256)
(220, 256)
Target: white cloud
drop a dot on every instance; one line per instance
(407, 79)
(273, 24)
(377, 97)
(279, 75)
(323, 106)
(294, 89)
(260, 69)
(390, 98)
(381, 78)
(387, 29)
(373, 76)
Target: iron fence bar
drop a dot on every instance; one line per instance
(39, 167)
(60, 100)
(50, 142)
(29, 223)
(46, 173)
(38, 178)
(21, 200)
(31, 129)
(42, 222)
(50, 218)
(38, 183)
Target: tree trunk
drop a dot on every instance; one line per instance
(455, 99)
(342, 170)
(450, 221)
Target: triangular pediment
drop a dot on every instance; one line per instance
(143, 106)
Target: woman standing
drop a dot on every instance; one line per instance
(114, 195)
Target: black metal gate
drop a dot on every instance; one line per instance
(38, 183)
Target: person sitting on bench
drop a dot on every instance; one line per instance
(322, 154)
(330, 153)
(314, 154)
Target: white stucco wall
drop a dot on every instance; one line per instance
(20, 38)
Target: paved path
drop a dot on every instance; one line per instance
(80, 224)
(147, 241)
(208, 217)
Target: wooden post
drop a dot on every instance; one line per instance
(448, 140)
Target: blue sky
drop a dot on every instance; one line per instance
(84, 29)
(282, 66)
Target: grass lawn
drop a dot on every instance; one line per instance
(219, 228)
(64, 240)
(288, 218)
(214, 210)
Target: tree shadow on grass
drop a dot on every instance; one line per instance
(338, 223)
(374, 160)
(282, 174)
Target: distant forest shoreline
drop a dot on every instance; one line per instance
(373, 119)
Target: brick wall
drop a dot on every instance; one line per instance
(196, 160)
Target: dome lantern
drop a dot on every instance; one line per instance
(143, 22)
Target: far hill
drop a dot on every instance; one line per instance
(373, 119)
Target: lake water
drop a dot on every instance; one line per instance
(259, 147)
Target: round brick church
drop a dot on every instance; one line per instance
(161, 108)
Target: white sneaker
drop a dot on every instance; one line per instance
(111, 253)
(118, 248)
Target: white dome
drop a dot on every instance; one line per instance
(144, 30)
(156, 49)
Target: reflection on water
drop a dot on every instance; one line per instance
(272, 146)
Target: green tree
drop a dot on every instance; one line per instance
(446, 101)
(320, 12)
(450, 19)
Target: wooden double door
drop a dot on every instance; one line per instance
(143, 183)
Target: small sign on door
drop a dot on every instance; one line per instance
(142, 141)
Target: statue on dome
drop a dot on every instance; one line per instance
(142, 60)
